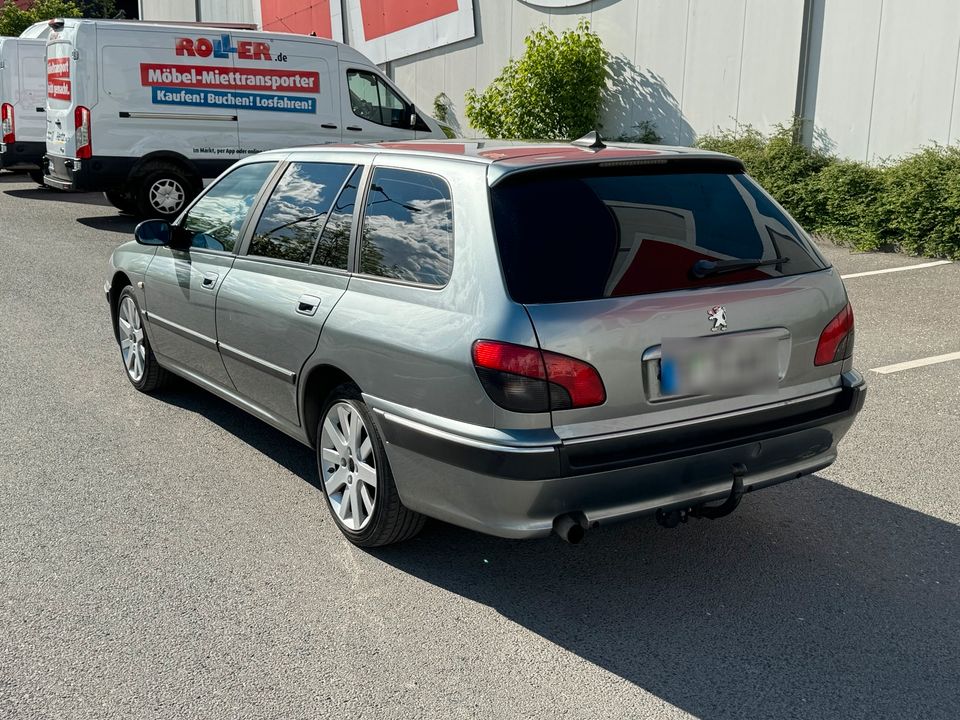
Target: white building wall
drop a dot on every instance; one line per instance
(689, 66)
(168, 10)
(234, 11)
(885, 75)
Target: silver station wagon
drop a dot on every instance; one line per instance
(514, 338)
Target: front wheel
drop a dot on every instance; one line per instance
(143, 370)
(356, 475)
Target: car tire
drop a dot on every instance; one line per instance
(122, 201)
(139, 363)
(163, 192)
(349, 449)
(36, 176)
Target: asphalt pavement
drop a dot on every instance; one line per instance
(171, 556)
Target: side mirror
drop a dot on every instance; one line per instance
(153, 232)
(413, 116)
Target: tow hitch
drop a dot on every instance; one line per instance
(672, 518)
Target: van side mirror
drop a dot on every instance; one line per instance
(153, 232)
(413, 115)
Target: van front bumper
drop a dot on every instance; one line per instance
(517, 491)
(22, 155)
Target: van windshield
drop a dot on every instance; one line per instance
(590, 233)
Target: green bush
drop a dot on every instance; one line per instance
(14, 21)
(552, 92)
(912, 204)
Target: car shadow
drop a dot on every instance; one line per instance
(15, 176)
(45, 193)
(278, 446)
(124, 224)
(813, 600)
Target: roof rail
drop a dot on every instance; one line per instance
(57, 23)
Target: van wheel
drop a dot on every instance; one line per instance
(36, 176)
(122, 201)
(356, 476)
(163, 191)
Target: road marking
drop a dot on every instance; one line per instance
(897, 269)
(887, 369)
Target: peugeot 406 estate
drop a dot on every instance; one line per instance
(514, 338)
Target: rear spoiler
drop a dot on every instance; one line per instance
(687, 162)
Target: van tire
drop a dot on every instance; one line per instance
(36, 176)
(122, 201)
(162, 191)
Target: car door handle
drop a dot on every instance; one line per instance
(328, 126)
(209, 280)
(308, 304)
(354, 128)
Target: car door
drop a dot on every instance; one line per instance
(293, 271)
(181, 284)
(372, 110)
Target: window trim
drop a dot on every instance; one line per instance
(240, 245)
(407, 104)
(358, 228)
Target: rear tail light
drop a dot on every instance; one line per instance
(8, 130)
(836, 340)
(81, 118)
(525, 379)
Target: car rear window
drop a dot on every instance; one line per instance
(591, 233)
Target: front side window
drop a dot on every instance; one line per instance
(372, 99)
(216, 219)
(407, 231)
(297, 210)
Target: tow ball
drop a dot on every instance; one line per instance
(672, 518)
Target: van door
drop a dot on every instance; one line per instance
(31, 106)
(274, 302)
(371, 108)
(293, 93)
(67, 91)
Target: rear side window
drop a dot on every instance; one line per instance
(216, 219)
(407, 231)
(333, 249)
(585, 234)
(296, 212)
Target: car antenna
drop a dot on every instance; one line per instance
(591, 141)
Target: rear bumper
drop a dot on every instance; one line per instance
(22, 155)
(96, 174)
(517, 491)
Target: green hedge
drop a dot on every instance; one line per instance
(911, 204)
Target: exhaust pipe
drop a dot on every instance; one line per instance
(570, 527)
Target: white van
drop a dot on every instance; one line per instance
(23, 93)
(145, 112)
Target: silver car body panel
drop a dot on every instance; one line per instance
(455, 454)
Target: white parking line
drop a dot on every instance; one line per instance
(897, 269)
(887, 369)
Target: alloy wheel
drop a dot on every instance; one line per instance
(132, 346)
(348, 466)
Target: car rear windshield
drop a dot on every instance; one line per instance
(590, 233)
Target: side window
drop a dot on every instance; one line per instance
(334, 246)
(214, 222)
(372, 99)
(296, 211)
(407, 231)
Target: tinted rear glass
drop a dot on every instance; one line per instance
(586, 234)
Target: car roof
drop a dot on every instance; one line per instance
(505, 157)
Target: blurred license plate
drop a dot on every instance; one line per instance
(728, 365)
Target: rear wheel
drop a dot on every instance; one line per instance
(36, 176)
(356, 475)
(122, 201)
(163, 191)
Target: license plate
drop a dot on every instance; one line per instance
(728, 365)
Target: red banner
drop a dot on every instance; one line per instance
(383, 17)
(205, 76)
(58, 89)
(58, 67)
